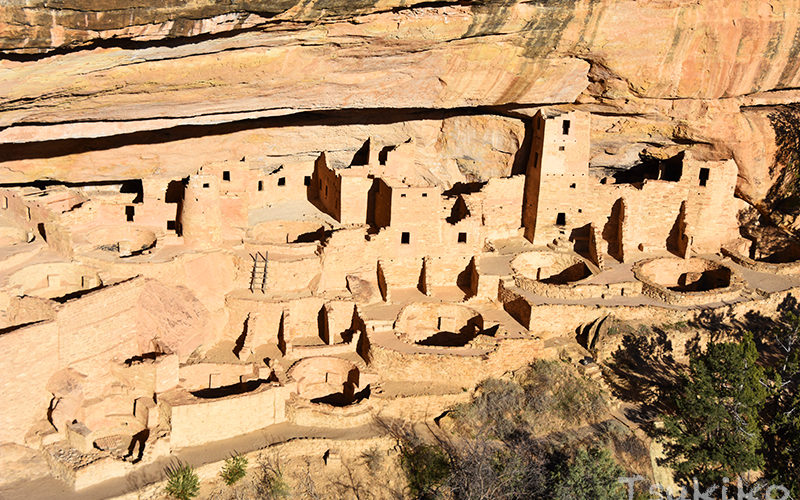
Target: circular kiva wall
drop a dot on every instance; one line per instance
(554, 274)
(126, 238)
(328, 380)
(687, 281)
(280, 232)
(783, 261)
(434, 324)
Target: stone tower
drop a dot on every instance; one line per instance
(557, 176)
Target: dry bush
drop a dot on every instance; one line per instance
(538, 399)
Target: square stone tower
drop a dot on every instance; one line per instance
(557, 176)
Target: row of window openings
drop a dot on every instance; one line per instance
(405, 238)
(561, 218)
(704, 175)
(226, 176)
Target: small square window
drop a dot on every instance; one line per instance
(206, 185)
(572, 186)
(226, 175)
(405, 238)
(561, 219)
(561, 148)
(260, 185)
(171, 225)
(129, 212)
(402, 195)
(462, 237)
(281, 181)
(307, 180)
(424, 195)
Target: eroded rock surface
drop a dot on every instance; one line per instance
(659, 74)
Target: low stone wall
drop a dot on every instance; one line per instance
(195, 421)
(303, 412)
(536, 272)
(323, 375)
(205, 375)
(578, 290)
(659, 291)
(320, 350)
(762, 267)
(564, 319)
(421, 320)
(53, 279)
(81, 471)
(123, 237)
(284, 231)
(461, 371)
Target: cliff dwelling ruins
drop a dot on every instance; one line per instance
(339, 281)
(175, 282)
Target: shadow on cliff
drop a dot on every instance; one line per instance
(371, 116)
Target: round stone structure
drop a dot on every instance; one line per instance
(329, 380)
(123, 240)
(786, 261)
(691, 281)
(438, 324)
(554, 274)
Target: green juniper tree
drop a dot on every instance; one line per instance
(715, 430)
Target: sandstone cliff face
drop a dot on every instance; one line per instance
(660, 75)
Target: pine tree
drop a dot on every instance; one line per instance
(715, 430)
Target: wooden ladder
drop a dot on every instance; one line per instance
(258, 278)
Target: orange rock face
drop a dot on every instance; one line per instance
(662, 72)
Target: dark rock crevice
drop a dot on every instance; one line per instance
(372, 116)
